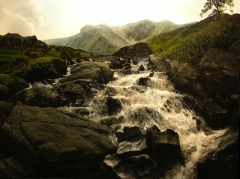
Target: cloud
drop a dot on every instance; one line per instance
(22, 16)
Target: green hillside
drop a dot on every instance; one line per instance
(18, 53)
(190, 43)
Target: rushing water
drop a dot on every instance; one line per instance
(156, 102)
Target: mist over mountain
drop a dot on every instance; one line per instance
(104, 40)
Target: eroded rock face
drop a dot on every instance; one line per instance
(53, 142)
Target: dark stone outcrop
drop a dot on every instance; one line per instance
(138, 50)
(52, 142)
(41, 71)
(15, 40)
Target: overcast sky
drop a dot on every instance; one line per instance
(48, 19)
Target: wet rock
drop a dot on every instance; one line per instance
(164, 148)
(161, 64)
(5, 170)
(42, 97)
(141, 166)
(38, 72)
(20, 168)
(5, 109)
(143, 81)
(127, 65)
(52, 142)
(112, 120)
(127, 149)
(141, 68)
(90, 70)
(130, 134)
(138, 50)
(135, 60)
(221, 164)
(79, 92)
(114, 106)
(216, 59)
(4, 92)
(17, 85)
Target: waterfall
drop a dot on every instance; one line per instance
(149, 99)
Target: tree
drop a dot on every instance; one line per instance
(218, 5)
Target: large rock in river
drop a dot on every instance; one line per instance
(52, 142)
(90, 70)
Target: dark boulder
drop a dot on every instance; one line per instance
(223, 163)
(5, 109)
(144, 81)
(37, 72)
(4, 92)
(164, 148)
(52, 142)
(42, 97)
(135, 60)
(140, 166)
(162, 65)
(127, 149)
(90, 70)
(79, 92)
(138, 50)
(114, 106)
(17, 85)
(131, 142)
(130, 134)
(141, 68)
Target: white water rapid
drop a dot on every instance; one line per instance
(157, 103)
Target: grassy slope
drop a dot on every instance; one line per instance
(190, 43)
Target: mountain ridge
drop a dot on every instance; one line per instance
(97, 38)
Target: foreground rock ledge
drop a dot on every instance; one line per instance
(53, 142)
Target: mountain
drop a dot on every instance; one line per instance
(104, 40)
